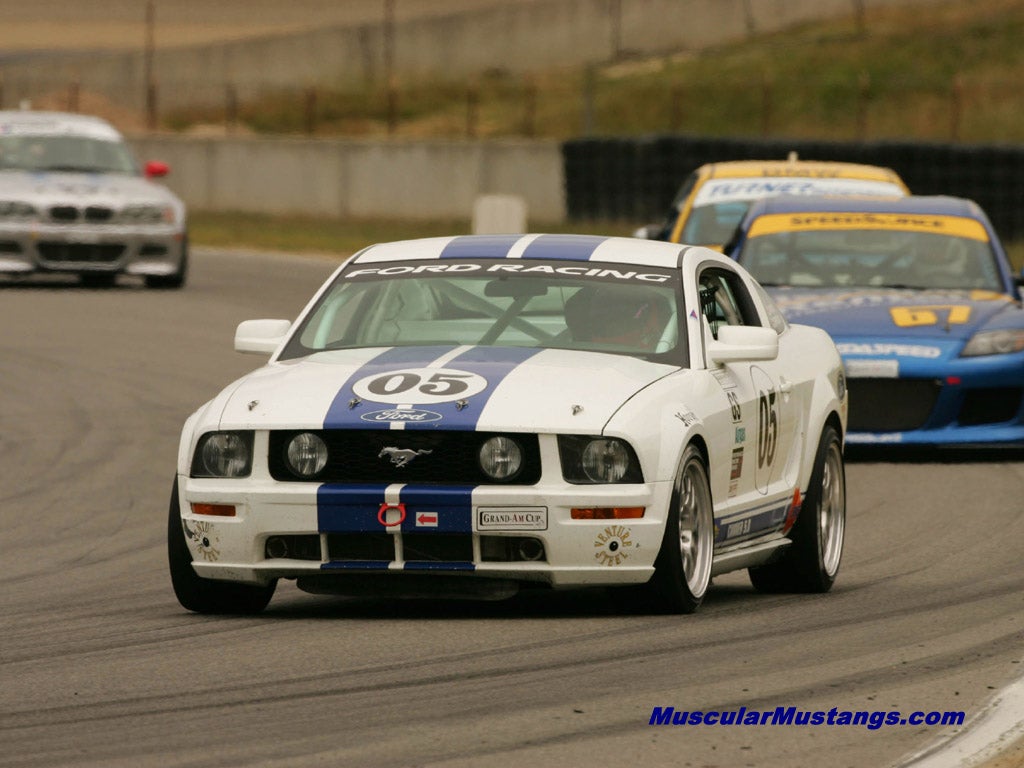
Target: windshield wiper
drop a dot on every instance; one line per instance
(74, 169)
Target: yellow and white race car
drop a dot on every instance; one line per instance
(711, 202)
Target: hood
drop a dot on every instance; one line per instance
(44, 188)
(476, 388)
(906, 314)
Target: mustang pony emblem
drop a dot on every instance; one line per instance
(402, 456)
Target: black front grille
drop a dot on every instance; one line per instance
(442, 457)
(93, 253)
(990, 405)
(98, 213)
(890, 405)
(64, 213)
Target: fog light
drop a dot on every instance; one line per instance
(501, 458)
(306, 454)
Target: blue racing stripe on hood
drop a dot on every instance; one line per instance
(567, 247)
(492, 364)
(340, 415)
(480, 247)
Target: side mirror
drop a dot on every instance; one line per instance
(155, 169)
(743, 343)
(261, 337)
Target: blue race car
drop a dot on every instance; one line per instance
(919, 296)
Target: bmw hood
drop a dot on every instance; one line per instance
(112, 189)
(882, 313)
(467, 388)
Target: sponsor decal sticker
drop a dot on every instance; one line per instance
(205, 538)
(401, 415)
(873, 369)
(901, 222)
(623, 273)
(512, 519)
(613, 545)
(887, 349)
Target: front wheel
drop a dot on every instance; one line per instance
(682, 570)
(812, 560)
(206, 595)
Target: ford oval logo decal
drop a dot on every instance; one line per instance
(402, 415)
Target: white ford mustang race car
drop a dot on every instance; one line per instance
(466, 416)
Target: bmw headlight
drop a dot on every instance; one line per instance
(501, 458)
(306, 454)
(223, 454)
(1001, 342)
(147, 214)
(592, 460)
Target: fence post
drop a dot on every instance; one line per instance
(530, 107)
(73, 91)
(391, 96)
(472, 109)
(675, 116)
(956, 105)
(588, 100)
(766, 104)
(863, 97)
(310, 110)
(151, 106)
(230, 108)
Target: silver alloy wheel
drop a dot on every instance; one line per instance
(832, 513)
(695, 528)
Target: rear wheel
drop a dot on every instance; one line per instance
(812, 560)
(682, 571)
(206, 595)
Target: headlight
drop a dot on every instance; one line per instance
(306, 454)
(605, 461)
(590, 460)
(501, 458)
(1002, 342)
(15, 210)
(147, 214)
(223, 454)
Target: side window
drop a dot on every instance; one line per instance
(724, 300)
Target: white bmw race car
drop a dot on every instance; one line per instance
(465, 416)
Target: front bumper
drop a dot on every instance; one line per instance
(149, 250)
(314, 533)
(954, 401)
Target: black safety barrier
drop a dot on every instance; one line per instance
(635, 179)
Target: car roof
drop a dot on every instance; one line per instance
(623, 250)
(32, 123)
(798, 168)
(944, 205)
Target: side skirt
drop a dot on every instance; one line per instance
(749, 555)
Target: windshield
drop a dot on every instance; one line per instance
(81, 154)
(720, 203)
(873, 257)
(617, 308)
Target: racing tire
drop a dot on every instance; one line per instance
(206, 595)
(682, 570)
(812, 560)
(175, 279)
